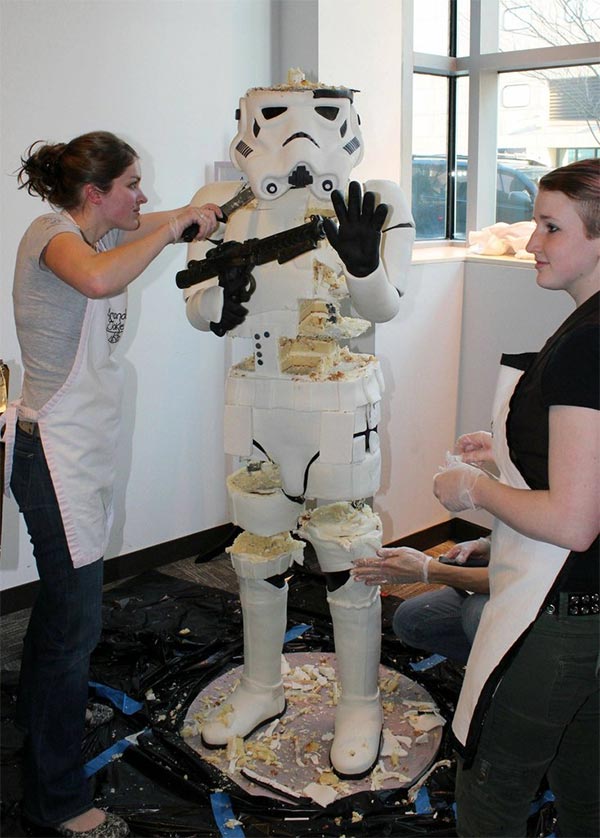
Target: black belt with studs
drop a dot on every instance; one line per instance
(574, 604)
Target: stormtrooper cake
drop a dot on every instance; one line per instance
(302, 410)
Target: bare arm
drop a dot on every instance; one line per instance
(466, 578)
(568, 513)
(107, 274)
(151, 221)
(400, 565)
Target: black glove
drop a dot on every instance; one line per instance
(238, 285)
(358, 235)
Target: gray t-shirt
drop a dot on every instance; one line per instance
(48, 312)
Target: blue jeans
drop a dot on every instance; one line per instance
(63, 629)
(442, 621)
(542, 720)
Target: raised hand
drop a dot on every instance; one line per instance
(357, 236)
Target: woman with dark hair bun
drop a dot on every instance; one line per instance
(72, 271)
(529, 707)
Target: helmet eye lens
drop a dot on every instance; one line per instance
(272, 113)
(327, 112)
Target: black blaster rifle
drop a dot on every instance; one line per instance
(280, 247)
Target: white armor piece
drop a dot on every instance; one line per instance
(316, 423)
(307, 137)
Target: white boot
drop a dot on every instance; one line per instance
(356, 614)
(259, 696)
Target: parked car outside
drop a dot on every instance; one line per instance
(516, 188)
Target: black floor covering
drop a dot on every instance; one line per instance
(163, 640)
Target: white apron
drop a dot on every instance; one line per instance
(522, 571)
(79, 429)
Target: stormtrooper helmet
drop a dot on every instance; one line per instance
(293, 136)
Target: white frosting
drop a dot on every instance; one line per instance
(257, 502)
(341, 522)
(340, 533)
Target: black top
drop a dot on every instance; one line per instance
(566, 371)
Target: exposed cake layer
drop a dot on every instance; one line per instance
(296, 80)
(307, 356)
(343, 366)
(340, 533)
(260, 557)
(320, 318)
(328, 282)
(257, 502)
(341, 522)
(259, 476)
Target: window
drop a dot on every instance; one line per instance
(516, 19)
(525, 102)
(428, 38)
(430, 163)
(544, 23)
(563, 113)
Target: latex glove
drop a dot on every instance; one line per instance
(394, 565)
(460, 553)
(475, 447)
(238, 286)
(357, 237)
(205, 218)
(454, 484)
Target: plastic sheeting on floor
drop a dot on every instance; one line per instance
(163, 641)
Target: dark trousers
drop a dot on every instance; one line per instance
(64, 628)
(543, 720)
(443, 622)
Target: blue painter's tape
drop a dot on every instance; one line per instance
(296, 631)
(423, 803)
(119, 699)
(222, 812)
(99, 761)
(427, 663)
(94, 765)
(547, 797)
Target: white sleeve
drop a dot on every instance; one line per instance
(376, 297)
(203, 304)
(397, 242)
(373, 296)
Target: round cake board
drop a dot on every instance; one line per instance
(288, 759)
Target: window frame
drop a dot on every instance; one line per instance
(482, 66)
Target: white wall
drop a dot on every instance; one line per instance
(368, 59)
(297, 41)
(166, 75)
(419, 354)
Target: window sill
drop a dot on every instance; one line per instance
(425, 252)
